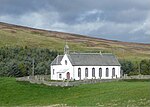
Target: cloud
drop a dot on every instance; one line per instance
(41, 19)
(90, 15)
(125, 20)
(144, 26)
(81, 28)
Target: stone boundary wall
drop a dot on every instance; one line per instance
(136, 77)
(46, 80)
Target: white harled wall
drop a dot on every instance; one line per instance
(58, 69)
(117, 72)
(73, 70)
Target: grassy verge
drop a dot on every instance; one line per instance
(121, 93)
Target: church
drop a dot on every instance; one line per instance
(81, 66)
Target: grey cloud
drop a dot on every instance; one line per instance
(124, 20)
(17, 7)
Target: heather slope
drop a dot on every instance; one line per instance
(13, 35)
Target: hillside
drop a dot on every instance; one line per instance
(13, 35)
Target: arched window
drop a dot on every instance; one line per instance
(107, 72)
(60, 76)
(65, 62)
(53, 71)
(86, 72)
(113, 72)
(79, 72)
(93, 72)
(100, 72)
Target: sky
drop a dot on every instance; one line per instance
(123, 20)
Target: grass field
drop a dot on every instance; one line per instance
(120, 93)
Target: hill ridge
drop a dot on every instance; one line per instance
(73, 34)
(16, 35)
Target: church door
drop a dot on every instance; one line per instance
(68, 76)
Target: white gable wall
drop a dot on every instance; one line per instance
(68, 61)
(62, 69)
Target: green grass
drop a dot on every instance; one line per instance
(120, 93)
(24, 38)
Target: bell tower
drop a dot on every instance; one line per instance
(66, 49)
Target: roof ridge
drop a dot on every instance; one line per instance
(90, 59)
(91, 53)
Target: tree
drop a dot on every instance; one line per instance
(17, 61)
(145, 67)
(127, 66)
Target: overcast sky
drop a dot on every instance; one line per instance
(124, 20)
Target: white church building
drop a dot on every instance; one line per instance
(80, 66)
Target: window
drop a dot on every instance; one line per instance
(107, 72)
(86, 72)
(93, 72)
(113, 72)
(60, 76)
(53, 71)
(100, 72)
(79, 72)
(65, 62)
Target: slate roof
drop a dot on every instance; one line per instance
(90, 59)
(57, 60)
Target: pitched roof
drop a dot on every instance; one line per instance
(57, 60)
(92, 59)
